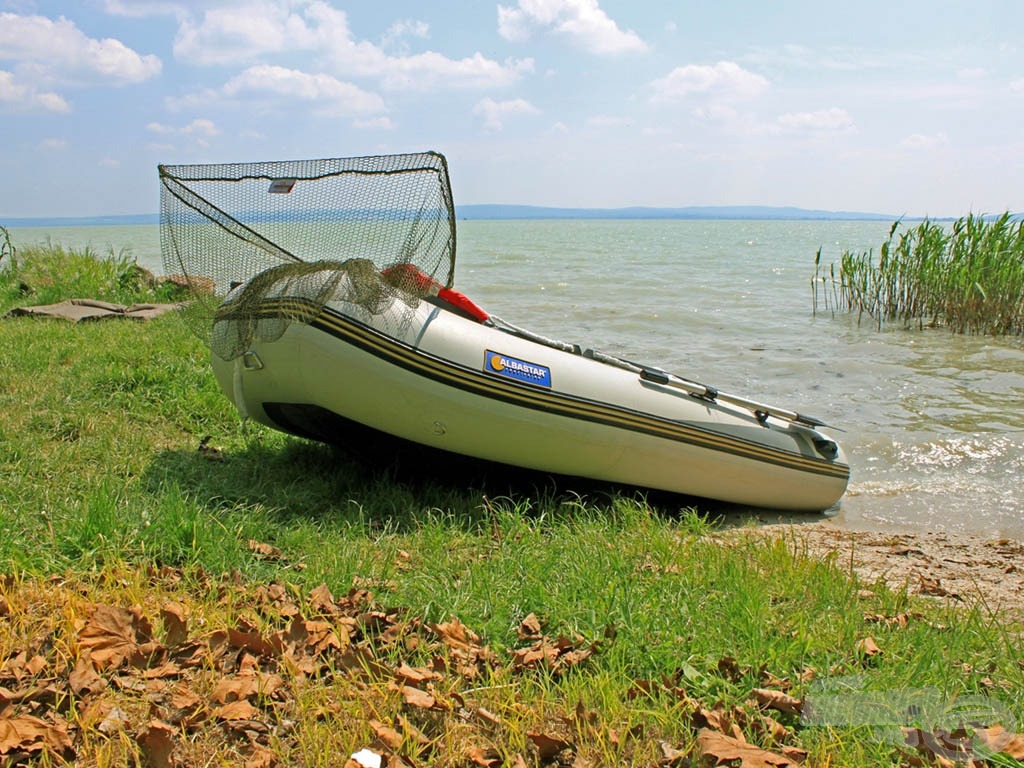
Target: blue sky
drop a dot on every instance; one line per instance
(898, 107)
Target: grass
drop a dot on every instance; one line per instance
(969, 277)
(127, 474)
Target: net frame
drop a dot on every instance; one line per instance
(310, 228)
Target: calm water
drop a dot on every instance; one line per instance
(934, 423)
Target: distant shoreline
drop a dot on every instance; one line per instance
(497, 212)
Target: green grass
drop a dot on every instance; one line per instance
(968, 277)
(101, 468)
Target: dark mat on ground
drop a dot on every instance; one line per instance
(77, 310)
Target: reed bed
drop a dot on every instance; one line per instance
(968, 277)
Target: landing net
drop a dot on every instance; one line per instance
(261, 245)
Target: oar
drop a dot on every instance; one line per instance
(703, 391)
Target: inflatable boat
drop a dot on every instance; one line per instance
(381, 343)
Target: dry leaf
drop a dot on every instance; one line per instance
(722, 749)
(115, 635)
(237, 710)
(529, 628)
(547, 746)
(264, 551)
(778, 700)
(391, 738)
(175, 624)
(84, 680)
(261, 758)
(485, 757)
(30, 734)
(414, 697)
(868, 647)
(997, 739)
(671, 757)
(157, 744)
(322, 601)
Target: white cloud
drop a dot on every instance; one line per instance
(374, 124)
(54, 145)
(920, 142)
(253, 30)
(330, 95)
(201, 127)
(832, 120)
(725, 80)
(59, 52)
(396, 38)
(494, 112)
(19, 96)
(582, 21)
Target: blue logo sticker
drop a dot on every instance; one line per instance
(514, 368)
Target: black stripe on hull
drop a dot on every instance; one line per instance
(477, 382)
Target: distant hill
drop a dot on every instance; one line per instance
(760, 212)
(509, 212)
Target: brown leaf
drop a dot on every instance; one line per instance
(30, 734)
(261, 758)
(769, 699)
(322, 601)
(996, 739)
(157, 744)
(241, 687)
(237, 710)
(264, 551)
(529, 628)
(671, 757)
(547, 746)
(414, 697)
(175, 624)
(115, 635)
(455, 634)
(868, 647)
(415, 676)
(485, 757)
(391, 738)
(933, 587)
(255, 642)
(84, 680)
(722, 749)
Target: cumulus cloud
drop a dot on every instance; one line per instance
(494, 113)
(831, 120)
(18, 96)
(396, 38)
(919, 142)
(725, 80)
(58, 52)
(332, 96)
(253, 30)
(581, 21)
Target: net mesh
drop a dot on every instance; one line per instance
(262, 245)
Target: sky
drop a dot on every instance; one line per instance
(903, 107)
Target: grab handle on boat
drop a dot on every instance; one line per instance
(760, 410)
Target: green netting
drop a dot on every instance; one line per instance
(295, 235)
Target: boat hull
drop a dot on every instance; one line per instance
(473, 389)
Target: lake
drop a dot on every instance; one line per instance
(933, 423)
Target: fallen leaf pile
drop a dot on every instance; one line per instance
(170, 670)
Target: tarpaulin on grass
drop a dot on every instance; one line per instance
(77, 310)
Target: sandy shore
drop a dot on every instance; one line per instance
(942, 566)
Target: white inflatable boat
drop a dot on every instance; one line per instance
(306, 345)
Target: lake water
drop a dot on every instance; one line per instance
(933, 422)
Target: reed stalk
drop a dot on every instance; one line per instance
(968, 277)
